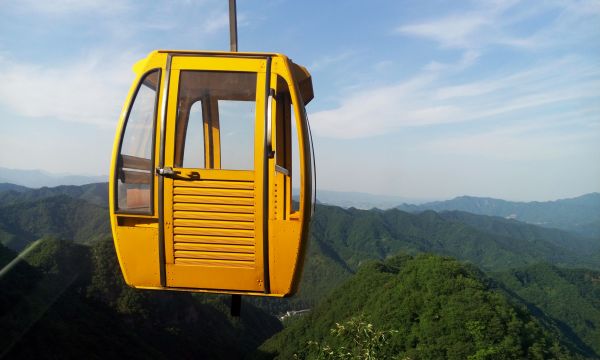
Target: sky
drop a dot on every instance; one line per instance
(420, 99)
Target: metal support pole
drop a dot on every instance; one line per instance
(233, 43)
(236, 305)
(236, 300)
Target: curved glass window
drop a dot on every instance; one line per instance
(135, 161)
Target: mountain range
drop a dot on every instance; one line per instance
(546, 280)
(77, 213)
(580, 214)
(39, 178)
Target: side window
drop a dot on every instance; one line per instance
(237, 134)
(287, 147)
(192, 153)
(135, 161)
(295, 162)
(215, 120)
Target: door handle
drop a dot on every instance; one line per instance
(166, 172)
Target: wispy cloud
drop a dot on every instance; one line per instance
(70, 7)
(90, 90)
(497, 23)
(467, 59)
(425, 101)
(540, 78)
(330, 60)
(537, 141)
(451, 31)
(216, 21)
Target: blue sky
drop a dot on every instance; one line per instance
(422, 99)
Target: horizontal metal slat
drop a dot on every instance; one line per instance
(217, 208)
(222, 248)
(224, 240)
(214, 224)
(180, 230)
(224, 200)
(180, 190)
(215, 263)
(216, 184)
(213, 255)
(205, 215)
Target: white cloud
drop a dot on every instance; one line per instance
(510, 24)
(423, 101)
(468, 58)
(327, 61)
(91, 90)
(215, 22)
(537, 78)
(514, 143)
(70, 7)
(452, 31)
(380, 110)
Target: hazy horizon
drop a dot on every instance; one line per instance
(357, 195)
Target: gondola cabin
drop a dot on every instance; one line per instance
(208, 150)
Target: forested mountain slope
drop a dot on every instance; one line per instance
(508, 227)
(489, 242)
(69, 301)
(429, 307)
(13, 187)
(62, 216)
(96, 193)
(571, 296)
(341, 239)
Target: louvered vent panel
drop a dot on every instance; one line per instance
(214, 223)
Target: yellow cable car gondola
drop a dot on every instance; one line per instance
(209, 147)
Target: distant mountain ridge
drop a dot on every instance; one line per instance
(12, 187)
(61, 216)
(360, 200)
(95, 193)
(488, 242)
(39, 178)
(580, 214)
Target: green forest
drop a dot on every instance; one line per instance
(378, 284)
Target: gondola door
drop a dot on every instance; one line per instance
(213, 193)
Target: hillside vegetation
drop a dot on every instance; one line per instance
(570, 296)
(432, 308)
(61, 216)
(492, 243)
(69, 301)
